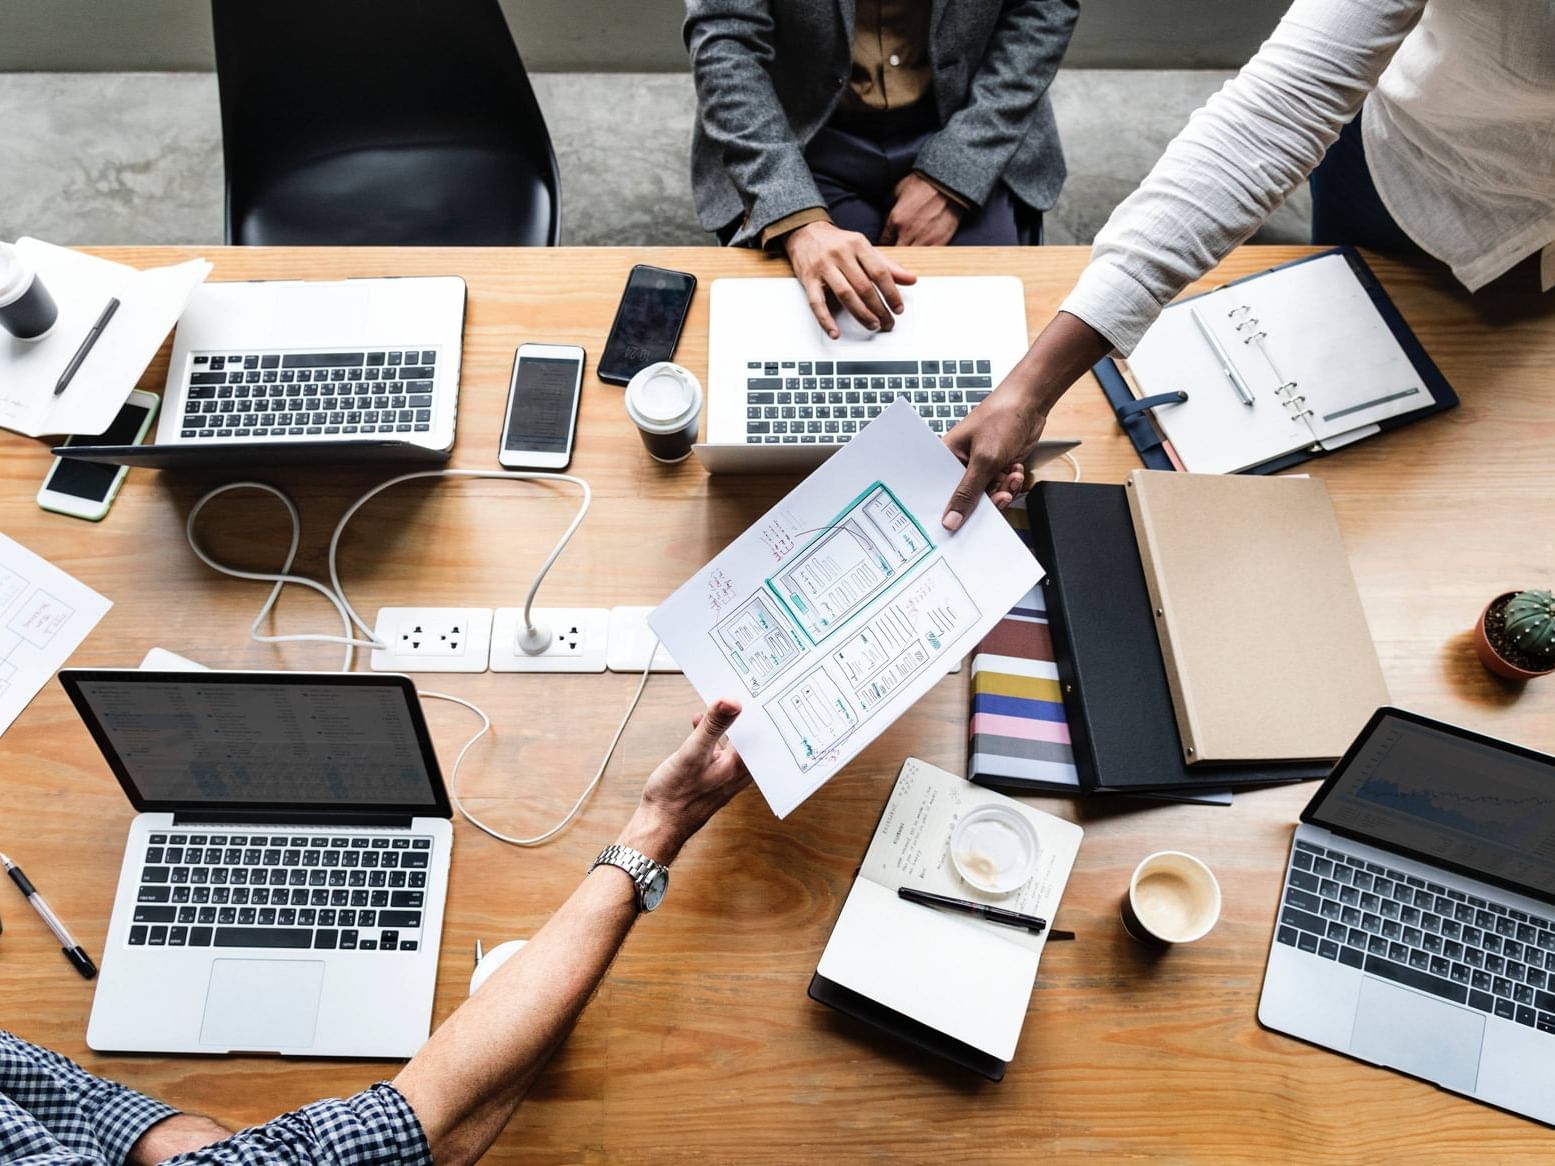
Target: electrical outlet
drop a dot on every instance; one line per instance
(432, 639)
(631, 639)
(579, 636)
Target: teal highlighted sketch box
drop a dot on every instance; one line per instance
(868, 548)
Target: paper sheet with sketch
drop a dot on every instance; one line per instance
(44, 616)
(843, 605)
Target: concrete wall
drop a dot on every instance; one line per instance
(598, 35)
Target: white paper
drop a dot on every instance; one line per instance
(1323, 347)
(150, 303)
(843, 605)
(960, 975)
(44, 616)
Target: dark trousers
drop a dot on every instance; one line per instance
(1345, 205)
(858, 158)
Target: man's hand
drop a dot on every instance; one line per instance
(689, 787)
(826, 259)
(994, 438)
(922, 215)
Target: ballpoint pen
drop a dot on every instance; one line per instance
(989, 912)
(86, 347)
(73, 952)
(1226, 365)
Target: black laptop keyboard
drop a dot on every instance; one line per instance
(1421, 934)
(246, 395)
(824, 402)
(324, 892)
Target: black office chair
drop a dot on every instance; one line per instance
(395, 122)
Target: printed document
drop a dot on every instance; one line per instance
(44, 616)
(843, 605)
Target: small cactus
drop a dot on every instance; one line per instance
(1529, 619)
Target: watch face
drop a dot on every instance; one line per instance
(653, 894)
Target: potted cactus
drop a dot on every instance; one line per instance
(1515, 636)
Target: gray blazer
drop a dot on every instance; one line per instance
(769, 73)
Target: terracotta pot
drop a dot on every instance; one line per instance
(1492, 659)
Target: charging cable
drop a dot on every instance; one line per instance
(534, 639)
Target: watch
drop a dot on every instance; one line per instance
(651, 879)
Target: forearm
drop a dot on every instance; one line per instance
(467, 1080)
(1063, 352)
(175, 1135)
(1237, 160)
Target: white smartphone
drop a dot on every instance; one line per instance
(87, 489)
(542, 412)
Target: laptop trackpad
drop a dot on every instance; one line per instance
(1420, 1035)
(262, 1004)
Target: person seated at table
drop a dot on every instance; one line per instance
(824, 141)
(452, 1099)
(1432, 123)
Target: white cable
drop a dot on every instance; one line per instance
(336, 595)
(577, 806)
(1075, 462)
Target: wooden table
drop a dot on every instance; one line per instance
(702, 1046)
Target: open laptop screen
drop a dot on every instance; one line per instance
(1442, 794)
(262, 741)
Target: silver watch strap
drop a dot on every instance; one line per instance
(635, 863)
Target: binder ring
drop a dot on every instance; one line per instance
(1250, 322)
(1243, 309)
(1254, 336)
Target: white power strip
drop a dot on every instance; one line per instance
(578, 640)
(432, 639)
(631, 639)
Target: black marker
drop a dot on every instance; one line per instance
(81, 354)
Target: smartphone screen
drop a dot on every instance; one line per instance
(91, 481)
(543, 405)
(648, 321)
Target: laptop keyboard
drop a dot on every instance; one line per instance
(203, 889)
(308, 394)
(1421, 934)
(824, 402)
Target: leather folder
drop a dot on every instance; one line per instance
(1119, 706)
(1265, 643)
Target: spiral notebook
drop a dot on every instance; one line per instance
(1295, 361)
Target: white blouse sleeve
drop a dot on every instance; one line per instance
(1237, 159)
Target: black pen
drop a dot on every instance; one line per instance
(73, 952)
(86, 346)
(991, 913)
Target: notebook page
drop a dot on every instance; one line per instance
(965, 983)
(1322, 331)
(911, 848)
(1213, 432)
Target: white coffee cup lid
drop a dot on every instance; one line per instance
(15, 275)
(994, 848)
(663, 397)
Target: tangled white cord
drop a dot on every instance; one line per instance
(336, 595)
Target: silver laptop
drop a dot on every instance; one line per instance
(782, 396)
(1417, 925)
(283, 884)
(277, 371)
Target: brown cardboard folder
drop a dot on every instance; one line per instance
(1267, 651)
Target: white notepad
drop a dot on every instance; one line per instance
(1307, 343)
(960, 975)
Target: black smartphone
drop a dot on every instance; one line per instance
(648, 321)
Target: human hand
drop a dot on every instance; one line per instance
(825, 258)
(922, 216)
(993, 441)
(689, 787)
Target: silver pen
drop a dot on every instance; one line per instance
(1226, 365)
(73, 950)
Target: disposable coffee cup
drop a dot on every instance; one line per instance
(27, 311)
(664, 401)
(1172, 898)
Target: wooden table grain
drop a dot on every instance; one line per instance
(702, 1046)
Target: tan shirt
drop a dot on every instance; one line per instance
(891, 70)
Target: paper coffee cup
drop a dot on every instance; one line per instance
(1172, 898)
(664, 401)
(27, 311)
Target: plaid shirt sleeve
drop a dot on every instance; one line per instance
(377, 1127)
(55, 1113)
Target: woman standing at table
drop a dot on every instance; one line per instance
(1452, 154)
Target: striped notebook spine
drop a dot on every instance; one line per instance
(1018, 730)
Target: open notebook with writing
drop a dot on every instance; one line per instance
(1299, 360)
(956, 985)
